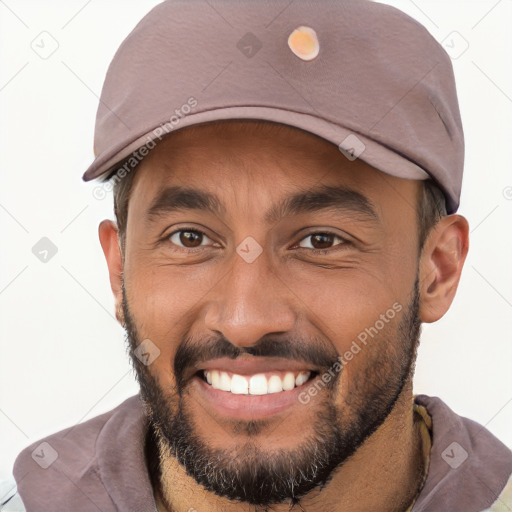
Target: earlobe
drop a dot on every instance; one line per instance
(109, 239)
(441, 265)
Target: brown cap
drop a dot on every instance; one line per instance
(362, 75)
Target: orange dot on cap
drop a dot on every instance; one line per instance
(303, 42)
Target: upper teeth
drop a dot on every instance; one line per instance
(257, 384)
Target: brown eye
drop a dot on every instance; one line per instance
(320, 241)
(188, 238)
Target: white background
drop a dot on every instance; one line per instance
(63, 357)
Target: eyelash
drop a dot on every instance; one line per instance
(344, 241)
(321, 252)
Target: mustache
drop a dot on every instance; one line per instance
(314, 352)
(190, 354)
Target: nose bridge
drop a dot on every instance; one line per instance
(250, 301)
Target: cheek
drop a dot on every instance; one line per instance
(343, 304)
(359, 312)
(165, 302)
(162, 295)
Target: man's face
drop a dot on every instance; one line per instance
(262, 291)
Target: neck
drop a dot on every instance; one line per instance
(383, 474)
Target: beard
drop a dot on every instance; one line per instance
(250, 473)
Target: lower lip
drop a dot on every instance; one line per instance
(248, 407)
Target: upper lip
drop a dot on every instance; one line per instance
(255, 365)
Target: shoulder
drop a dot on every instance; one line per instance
(469, 467)
(64, 467)
(503, 502)
(76, 442)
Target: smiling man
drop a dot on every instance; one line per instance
(285, 194)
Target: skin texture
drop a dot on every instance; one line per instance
(290, 295)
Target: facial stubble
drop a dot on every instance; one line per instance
(252, 474)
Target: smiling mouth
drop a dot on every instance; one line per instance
(257, 384)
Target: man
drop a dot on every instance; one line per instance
(286, 220)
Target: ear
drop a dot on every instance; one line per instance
(441, 263)
(109, 239)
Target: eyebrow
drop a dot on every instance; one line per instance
(336, 198)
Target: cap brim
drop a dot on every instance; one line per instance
(353, 144)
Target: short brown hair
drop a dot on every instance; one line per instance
(431, 209)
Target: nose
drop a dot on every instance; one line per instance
(250, 301)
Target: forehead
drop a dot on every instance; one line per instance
(247, 144)
(236, 159)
